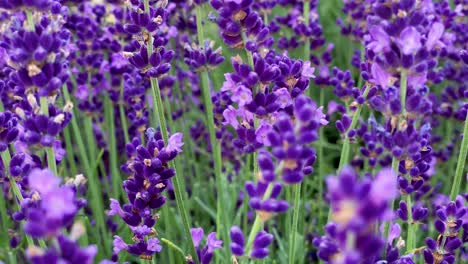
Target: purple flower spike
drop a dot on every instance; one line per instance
(205, 254)
(55, 206)
(260, 245)
(238, 241)
(356, 207)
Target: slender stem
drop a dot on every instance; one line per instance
(221, 222)
(175, 180)
(116, 179)
(94, 184)
(321, 161)
(159, 109)
(395, 164)
(123, 117)
(410, 239)
(173, 246)
(3, 207)
(12, 258)
(70, 151)
(5, 221)
(166, 211)
(6, 158)
(457, 182)
(403, 86)
(297, 187)
(306, 15)
(30, 20)
(296, 209)
(51, 163)
(344, 158)
(258, 223)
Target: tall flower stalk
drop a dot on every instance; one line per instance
(457, 180)
(159, 110)
(221, 223)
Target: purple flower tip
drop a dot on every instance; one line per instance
(43, 181)
(175, 143)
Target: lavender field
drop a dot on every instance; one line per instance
(234, 131)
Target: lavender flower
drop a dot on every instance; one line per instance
(357, 205)
(205, 254)
(150, 175)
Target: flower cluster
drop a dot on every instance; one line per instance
(357, 207)
(260, 244)
(205, 254)
(149, 178)
(49, 209)
(253, 86)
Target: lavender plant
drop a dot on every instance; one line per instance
(286, 131)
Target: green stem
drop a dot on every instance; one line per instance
(403, 86)
(114, 166)
(12, 258)
(70, 151)
(5, 221)
(221, 221)
(395, 164)
(321, 161)
(306, 15)
(258, 223)
(123, 116)
(166, 211)
(296, 209)
(173, 246)
(6, 158)
(30, 20)
(3, 205)
(96, 202)
(159, 110)
(344, 158)
(457, 182)
(410, 239)
(51, 163)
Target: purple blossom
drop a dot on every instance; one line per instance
(58, 203)
(175, 143)
(307, 71)
(385, 187)
(409, 41)
(283, 97)
(115, 208)
(119, 245)
(380, 76)
(197, 235)
(43, 181)
(380, 39)
(434, 35)
(242, 95)
(205, 253)
(154, 245)
(212, 242)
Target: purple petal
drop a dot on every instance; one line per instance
(409, 41)
(436, 32)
